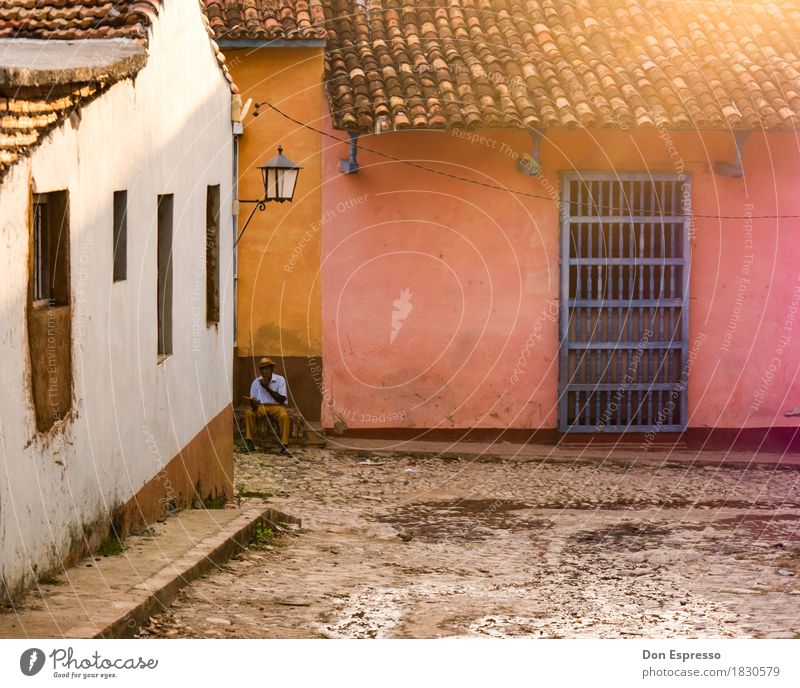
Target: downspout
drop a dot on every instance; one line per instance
(238, 130)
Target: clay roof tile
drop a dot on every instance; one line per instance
(30, 113)
(267, 19)
(507, 62)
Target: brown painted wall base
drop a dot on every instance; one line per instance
(303, 378)
(201, 474)
(744, 439)
(780, 440)
(517, 436)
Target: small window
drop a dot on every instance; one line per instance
(41, 283)
(50, 249)
(164, 308)
(212, 254)
(120, 236)
(49, 314)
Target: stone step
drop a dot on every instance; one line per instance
(112, 596)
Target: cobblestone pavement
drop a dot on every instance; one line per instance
(409, 546)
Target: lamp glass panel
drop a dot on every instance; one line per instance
(287, 184)
(271, 179)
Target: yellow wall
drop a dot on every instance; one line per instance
(279, 304)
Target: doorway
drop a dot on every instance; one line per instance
(624, 302)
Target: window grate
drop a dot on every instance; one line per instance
(624, 303)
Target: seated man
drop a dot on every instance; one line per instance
(267, 398)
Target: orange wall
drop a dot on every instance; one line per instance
(478, 347)
(279, 305)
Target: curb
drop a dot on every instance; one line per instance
(154, 594)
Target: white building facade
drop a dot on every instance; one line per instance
(115, 341)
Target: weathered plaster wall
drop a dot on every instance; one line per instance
(279, 290)
(279, 297)
(478, 346)
(169, 132)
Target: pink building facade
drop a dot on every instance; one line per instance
(442, 298)
(643, 280)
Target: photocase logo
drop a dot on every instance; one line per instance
(31, 661)
(402, 307)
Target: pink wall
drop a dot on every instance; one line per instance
(478, 347)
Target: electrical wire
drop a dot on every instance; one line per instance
(495, 187)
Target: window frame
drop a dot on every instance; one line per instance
(41, 286)
(165, 303)
(212, 237)
(119, 237)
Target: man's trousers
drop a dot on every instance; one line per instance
(277, 412)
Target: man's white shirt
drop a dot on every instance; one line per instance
(277, 383)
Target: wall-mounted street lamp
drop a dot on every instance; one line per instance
(279, 176)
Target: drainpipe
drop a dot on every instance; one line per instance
(350, 166)
(238, 129)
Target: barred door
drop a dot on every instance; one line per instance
(624, 302)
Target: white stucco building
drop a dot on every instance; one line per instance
(116, 176)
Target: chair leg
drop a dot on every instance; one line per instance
(267, 433)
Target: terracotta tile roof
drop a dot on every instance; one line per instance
(395, 64)
(28, 116)
(80, 19)
(35, 97)
(267, 19)
(72, 19)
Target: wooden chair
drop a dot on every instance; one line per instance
(268, 432)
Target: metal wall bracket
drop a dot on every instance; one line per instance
(737, 168)
(530, 164)
(350, 166)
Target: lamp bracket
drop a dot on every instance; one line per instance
(350, 166)
(530, 164)
(737, 168)
(261, 202)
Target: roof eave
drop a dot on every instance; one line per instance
(32, 63)
(234, 43)
(337, 125)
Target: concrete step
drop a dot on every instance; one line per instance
(111, 596)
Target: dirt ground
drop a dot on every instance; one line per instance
(418, 547)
